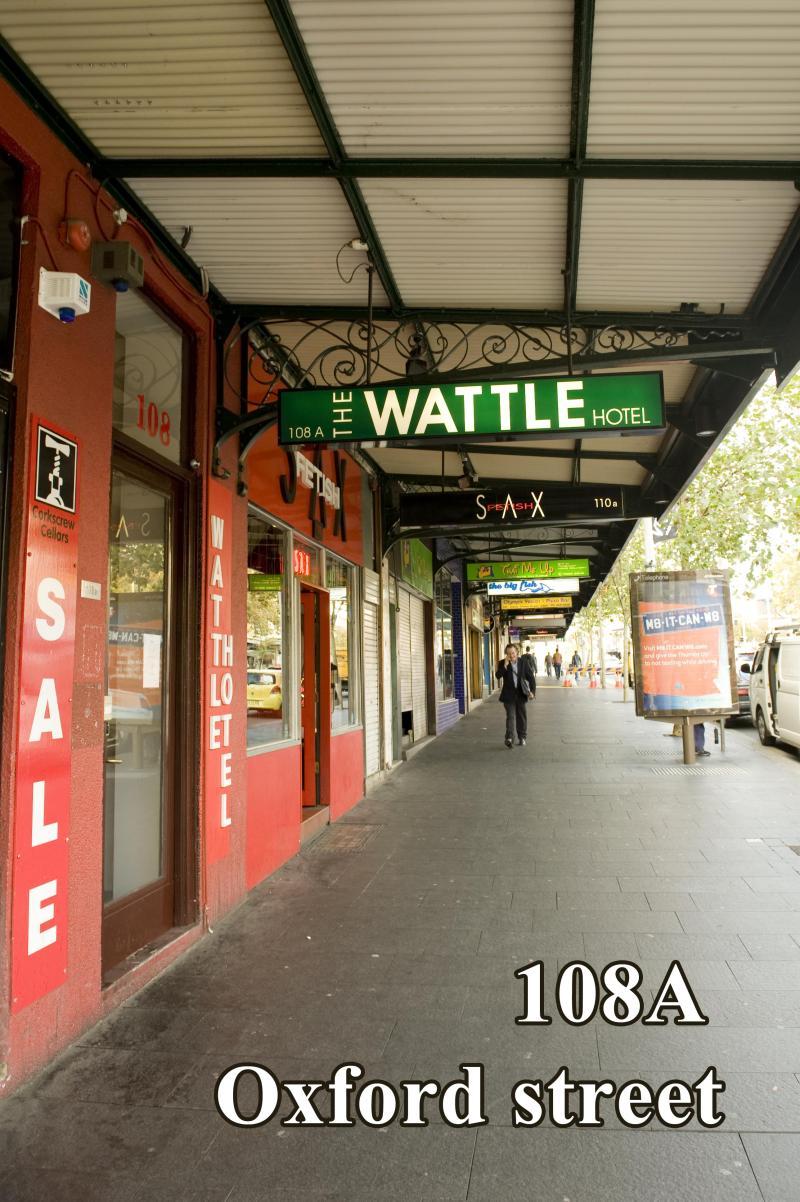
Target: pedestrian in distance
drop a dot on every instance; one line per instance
(558, 659)
(548, 664)
(517, 686)
(575, 665)
(530, 656)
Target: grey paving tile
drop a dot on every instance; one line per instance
(526, 946)
(605, 922)
(607, 900)
(692, 1049)
(116, 1076)
(775, 1160)
(771, 947)
(690, 947)
(767, 1008)
(742, 922)
(766, 974)
(588, 1166)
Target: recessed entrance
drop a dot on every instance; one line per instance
(315, 698)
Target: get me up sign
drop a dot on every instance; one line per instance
(630, 401)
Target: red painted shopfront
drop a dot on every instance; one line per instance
(305, 759)
(182, 665)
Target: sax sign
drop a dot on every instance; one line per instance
(44, 728)
(540, 408)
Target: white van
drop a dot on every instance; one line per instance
(775, 687)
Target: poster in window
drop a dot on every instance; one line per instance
(683, 644)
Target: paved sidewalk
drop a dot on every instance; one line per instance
(392, 940)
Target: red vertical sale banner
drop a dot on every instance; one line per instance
(44, 757)
(220, 659)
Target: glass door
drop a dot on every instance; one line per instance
(140, 720)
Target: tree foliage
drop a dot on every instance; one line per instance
(741, 512)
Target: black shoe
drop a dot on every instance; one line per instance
(522, 742)
(509, 742)
(702, 753)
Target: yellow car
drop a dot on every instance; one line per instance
(264, 691)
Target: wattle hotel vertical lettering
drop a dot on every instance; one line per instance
(44, 731)
(220, 676)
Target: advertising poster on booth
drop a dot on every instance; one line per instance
(683, 644)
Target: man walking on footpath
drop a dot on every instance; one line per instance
(532, 660)
(557, 661)
(548, 664)
(518, 684)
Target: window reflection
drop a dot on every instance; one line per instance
(267, 709)
(135, 695)
(339, 581)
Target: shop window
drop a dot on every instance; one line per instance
(267, 634)
(444, 636)
(148, 377)
(340, 582)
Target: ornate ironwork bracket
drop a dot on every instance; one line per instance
(248, 429)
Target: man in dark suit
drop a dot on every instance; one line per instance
(517, 685)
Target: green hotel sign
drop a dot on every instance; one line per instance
(572, 405)
(529, 569)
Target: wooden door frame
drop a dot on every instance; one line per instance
(324, 670)
(181, 670)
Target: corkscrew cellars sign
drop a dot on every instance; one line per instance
(44, 737)
(535, 569)
(517, 505)
(630, 401)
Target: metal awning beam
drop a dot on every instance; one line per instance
(510, 449)
(444, 167)
(281, 13)
(597, 319)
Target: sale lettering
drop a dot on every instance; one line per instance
(220, 651)
(44, 758)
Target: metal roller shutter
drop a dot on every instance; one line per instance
(419, 686)
(404, 648)
(372, 712)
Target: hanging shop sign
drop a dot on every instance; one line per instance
(44, 736)
(264, 582)
(683, 644)
(221, 672)
(518, 604)
(488, 624)
(544, 406)
(520, 504)
(522, 569)
(416, 565)
(317, 492)
(532, 588)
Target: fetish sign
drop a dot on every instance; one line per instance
(44, 737)
(220, 659)
(521, 569)
(519, 604)
(532, 588)
(546, 406)
(519, 504)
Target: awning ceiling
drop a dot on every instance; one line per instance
(544, 187)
